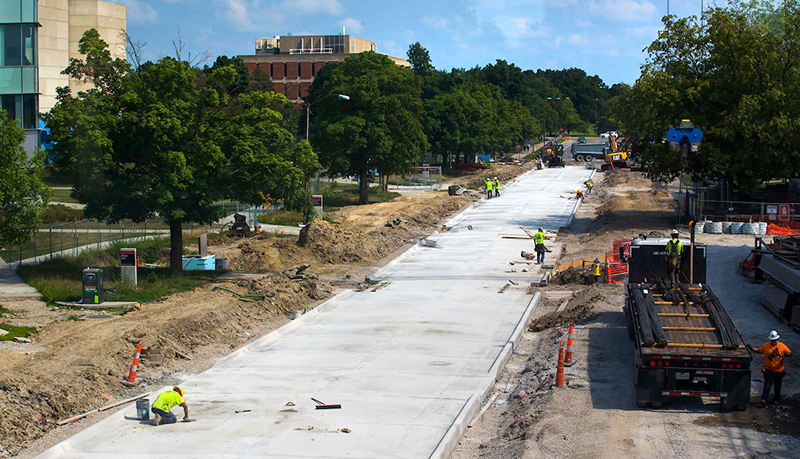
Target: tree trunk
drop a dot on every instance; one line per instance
(176, 248)
(363, 196)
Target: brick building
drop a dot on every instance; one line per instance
(292, 62)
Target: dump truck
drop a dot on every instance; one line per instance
(685, 344)
(590, 151)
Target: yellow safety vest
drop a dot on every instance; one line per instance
(489, 185)
(673, 249)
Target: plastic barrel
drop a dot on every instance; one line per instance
(750, 228)
(714, 227)
(726, 227)
(699, 226)
(736, 227)
(143, 409)
(762, 228)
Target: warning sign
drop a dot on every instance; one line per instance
(784, 213)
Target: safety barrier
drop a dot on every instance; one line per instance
(560, 369)
(568, 354)
(616, 271)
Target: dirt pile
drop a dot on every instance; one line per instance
(580, 308)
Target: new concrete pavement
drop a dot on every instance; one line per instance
(409, 361)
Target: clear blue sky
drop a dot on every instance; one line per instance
(602, 37)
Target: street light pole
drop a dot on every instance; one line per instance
(308, 109)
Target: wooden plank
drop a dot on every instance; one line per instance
(691, 329)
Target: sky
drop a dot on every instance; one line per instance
(602, 37)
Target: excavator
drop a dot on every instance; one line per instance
(616, 157)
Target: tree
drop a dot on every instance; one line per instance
(736, 76)
(23, 196)
(162, 142)
(378, 129)
(420, 60)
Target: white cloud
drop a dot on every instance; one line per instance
(624, 10)
(257, 15)
(137, 11)
(332, 7)
(352, 24)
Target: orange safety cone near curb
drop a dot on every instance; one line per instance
(132, 374)
(560, 369)
(568, 362)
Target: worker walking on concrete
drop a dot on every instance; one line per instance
(489, 186)
(674, 254)
(774, 353)
(496, 187)
(596, 270)
(538, 245)
(164, 403)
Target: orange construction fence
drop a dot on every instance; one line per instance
(616, 271)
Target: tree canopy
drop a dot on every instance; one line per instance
(736, 75)
(23, 196)
(378, 129)
(160, 141)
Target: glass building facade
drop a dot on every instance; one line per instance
(19, 79)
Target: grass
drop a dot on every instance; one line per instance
(51, 178)
(60, 279)
(62, 196)
(341, 195)
(13, 332)
(281, 217)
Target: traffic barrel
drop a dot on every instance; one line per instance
(132, 374)
(560, 369)
(568, 354)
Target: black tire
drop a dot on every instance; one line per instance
(641, 404)
(579, 158)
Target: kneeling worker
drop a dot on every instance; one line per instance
(165, 402)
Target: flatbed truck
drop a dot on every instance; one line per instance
(685, 344)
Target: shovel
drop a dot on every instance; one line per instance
(322, 406)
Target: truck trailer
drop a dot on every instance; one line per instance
(685, 344)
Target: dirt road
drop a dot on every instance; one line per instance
(595, 414)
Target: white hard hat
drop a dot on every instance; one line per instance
(773, 335)
(495, 178)
(675, 232)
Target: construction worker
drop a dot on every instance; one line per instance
(596, 270)
(164, 403)
(589, 186)
(579, 194)
(496, 187)
(538, 245)
(674, 254)
(489, 186)
(773, 371)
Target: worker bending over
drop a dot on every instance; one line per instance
(164, 403)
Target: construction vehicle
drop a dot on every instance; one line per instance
(552, 154)
(685, 343)
(615, 157)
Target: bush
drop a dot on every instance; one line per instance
(59, 213)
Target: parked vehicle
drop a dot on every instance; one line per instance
(684, 342)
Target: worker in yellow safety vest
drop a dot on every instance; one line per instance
(596, 270)
(489, 187)
(538, 246)
(674, 254)
(496, 187)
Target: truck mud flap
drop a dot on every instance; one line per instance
(649, 385)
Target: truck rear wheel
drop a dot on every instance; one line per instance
(579, 158)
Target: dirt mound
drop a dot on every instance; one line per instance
(571, 275)
(579, 309)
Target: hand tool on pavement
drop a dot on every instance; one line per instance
(322, 406)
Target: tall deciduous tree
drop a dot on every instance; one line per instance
(23, 196)
(377, 129)
(160, 141)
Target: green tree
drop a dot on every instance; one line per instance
(163, 142)
(377, 129)
(23, 196)
(420, 60)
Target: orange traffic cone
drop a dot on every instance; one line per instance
(132, 374)
(560, 369)
(568, 355)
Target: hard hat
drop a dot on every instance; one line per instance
(773, 335)
(540, 229)
(495, 178)
(675, 232)
(178, 390)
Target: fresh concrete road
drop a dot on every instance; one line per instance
(409, 361)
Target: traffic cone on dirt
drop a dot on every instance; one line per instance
(132, 374)
(560, 369)
(568, 362)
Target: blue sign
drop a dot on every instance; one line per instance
(690, 135)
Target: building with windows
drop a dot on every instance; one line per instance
(292, 62)
(37, 39)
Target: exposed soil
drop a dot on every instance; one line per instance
(74, 366)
